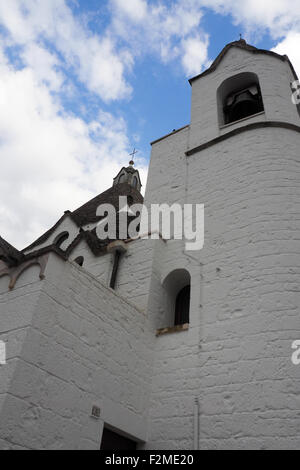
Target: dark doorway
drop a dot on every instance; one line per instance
(182, 308)
(113, 441)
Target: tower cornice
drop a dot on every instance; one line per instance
(241, 130)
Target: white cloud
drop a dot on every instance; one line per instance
(49, 162)
(136, 10)
(52, 160)
(44, 65)
(195, 54)
(279, 18)
(93, 57)
(276, 16)
(290, 47)
(169, 30)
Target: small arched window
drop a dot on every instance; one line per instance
(135, 182)
(182, 306)
(175, 302)
(61, 238)
(122, 178)
(79, 260)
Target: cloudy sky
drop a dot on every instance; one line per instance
(82, 82)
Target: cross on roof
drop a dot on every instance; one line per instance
(133, 154)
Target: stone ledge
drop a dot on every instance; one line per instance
(225, 126)
(240, 130)
(173, 329)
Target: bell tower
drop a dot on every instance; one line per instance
(242, 83)
(239, 157)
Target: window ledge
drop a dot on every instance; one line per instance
(224, 126)
(173, 329)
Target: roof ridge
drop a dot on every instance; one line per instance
(8, 253)
(242, 44)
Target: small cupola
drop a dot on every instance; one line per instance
(129, 176)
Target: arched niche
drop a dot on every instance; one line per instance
(135, 182)
(177, 296)
(239, 97)
(122, 178)
(61, 238)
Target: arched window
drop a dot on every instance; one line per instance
(62, 237)
(122, 178)
(135, 182)
(182, 306)
(239, 97)
(175, 302)
(79, 260)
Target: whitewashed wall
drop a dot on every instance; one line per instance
(73, 343)
(236, 357)
(85, 346)
(275, 77)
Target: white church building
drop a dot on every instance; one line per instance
(141, 344)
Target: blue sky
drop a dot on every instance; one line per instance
(82, 82)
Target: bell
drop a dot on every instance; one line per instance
(244, 105)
